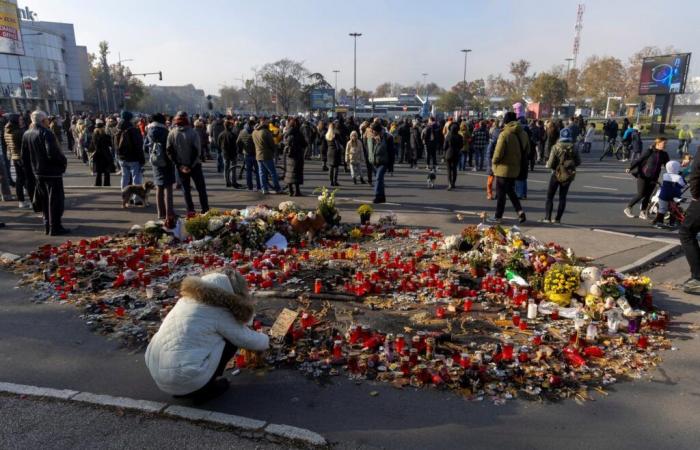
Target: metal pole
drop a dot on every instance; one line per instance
(21, 83)
(335, 91)
(464, 78)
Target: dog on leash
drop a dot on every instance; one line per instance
(431, 179)
(139, 193)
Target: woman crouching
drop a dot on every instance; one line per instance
(203, 331)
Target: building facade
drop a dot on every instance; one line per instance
(50, 74)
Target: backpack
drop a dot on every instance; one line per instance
(156, 155)
(566, 170)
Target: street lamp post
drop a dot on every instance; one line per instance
(354, 77)
(464, 78)
(425, 85)
(335, 90)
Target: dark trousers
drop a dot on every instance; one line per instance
(52, 198)
(230, 172)
(506, 187)
(431, 157)
(688, 234)
(563, 188)
(102, 177)
(228, 353)
(645, 189)
(22, 180)
(452, 166)
(197, 176)
(164, 201)
(333, 175)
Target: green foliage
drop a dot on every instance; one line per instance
(548, 88)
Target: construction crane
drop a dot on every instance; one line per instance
(577, 35)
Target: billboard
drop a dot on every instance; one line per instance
(665, 74)
(322, 98)
(10, 35)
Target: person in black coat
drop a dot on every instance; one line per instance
(294, 149)
(40, 151)
(416, 144)
(453, 146)
(647, 170)
(226, 143)
(335, 152)
(100, 152)
(163, 177)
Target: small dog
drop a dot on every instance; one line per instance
(139, 193)
(431, 179)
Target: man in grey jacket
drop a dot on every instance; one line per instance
(184, 149)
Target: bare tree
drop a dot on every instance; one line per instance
(284, 79)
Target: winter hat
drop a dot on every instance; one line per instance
(673, 167)
(218, 280)
(99, 123)
(565, 135)
(126, 116)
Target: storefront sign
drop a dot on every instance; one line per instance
(10, 35)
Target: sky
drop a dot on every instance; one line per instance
(216, 42)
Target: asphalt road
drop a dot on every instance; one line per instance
(48, 345)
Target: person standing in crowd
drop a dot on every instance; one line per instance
(689, 230)
(184, 147)
(334, 152)
(354, 157)
(416, 144)
(200, 128)
(309, 133)
(495, 132)
(41, 153)
(112, 129)
(563, 161)
(525, 152)
(216, 127)
(404, 132)
(551, 131)
(379, 146)
(66, 128)
(100, 151)
(226, 145)
(246, 147)
(538, 138)
(265, 150)
(589, 138)
(480, 140)
(685, 137)
(130, 151)
(155, 145)
(14, 130)
(430, 143)
(454, 143)
(647, 170)
(365, 134)
(294, 148)
(465, 156)
(321, 144)
(507, 159)
(5, 157)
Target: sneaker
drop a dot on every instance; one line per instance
(545, 221)
(522, 218)
(265, 192)
(692, 286)
(59, 231)
(556, 222)
(643, 215)
(494, 220)
(473, 169)
(628, 212)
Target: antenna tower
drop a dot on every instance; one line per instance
(577, 35)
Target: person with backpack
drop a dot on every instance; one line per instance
(246, 147)
(130, 151)
(512, 143)
(563, 160)
(647, 170)
(155, 145)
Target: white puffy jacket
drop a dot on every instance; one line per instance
(185, 352)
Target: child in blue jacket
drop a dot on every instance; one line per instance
(672, 185)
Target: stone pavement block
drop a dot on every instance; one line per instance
(243, 423)
(297, 434)
(120, 402)
(185, 412)
(22, 389)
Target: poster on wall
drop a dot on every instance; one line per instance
(10, 35)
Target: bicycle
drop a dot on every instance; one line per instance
(613, 149)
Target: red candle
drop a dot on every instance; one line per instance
(240, 361)
(400, 343)
(465, 360)
(523, 325)
(337, 349)
(555, 314)
(516, 318)
(468, 305)
(318, 286)
(507, 351)
(440, 312)
(643, 342)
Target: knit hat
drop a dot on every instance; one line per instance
(376, 126)
(126, 116)
(218, 280)
(565, 135)
(673, 167)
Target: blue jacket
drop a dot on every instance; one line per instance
(671, 187)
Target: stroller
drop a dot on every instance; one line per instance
(676, 212)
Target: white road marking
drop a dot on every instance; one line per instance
(617, 178)
(435, 208)
(601, 188)
(536, 181)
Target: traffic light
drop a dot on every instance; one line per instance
(160, 76)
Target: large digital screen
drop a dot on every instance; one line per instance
(664, 74)
(322, 98)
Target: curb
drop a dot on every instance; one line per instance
(243, 426)
(651, 258)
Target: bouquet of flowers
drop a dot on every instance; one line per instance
(560, 281)
(471, 235)
(326, 206)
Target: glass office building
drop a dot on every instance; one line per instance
(49, 75)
